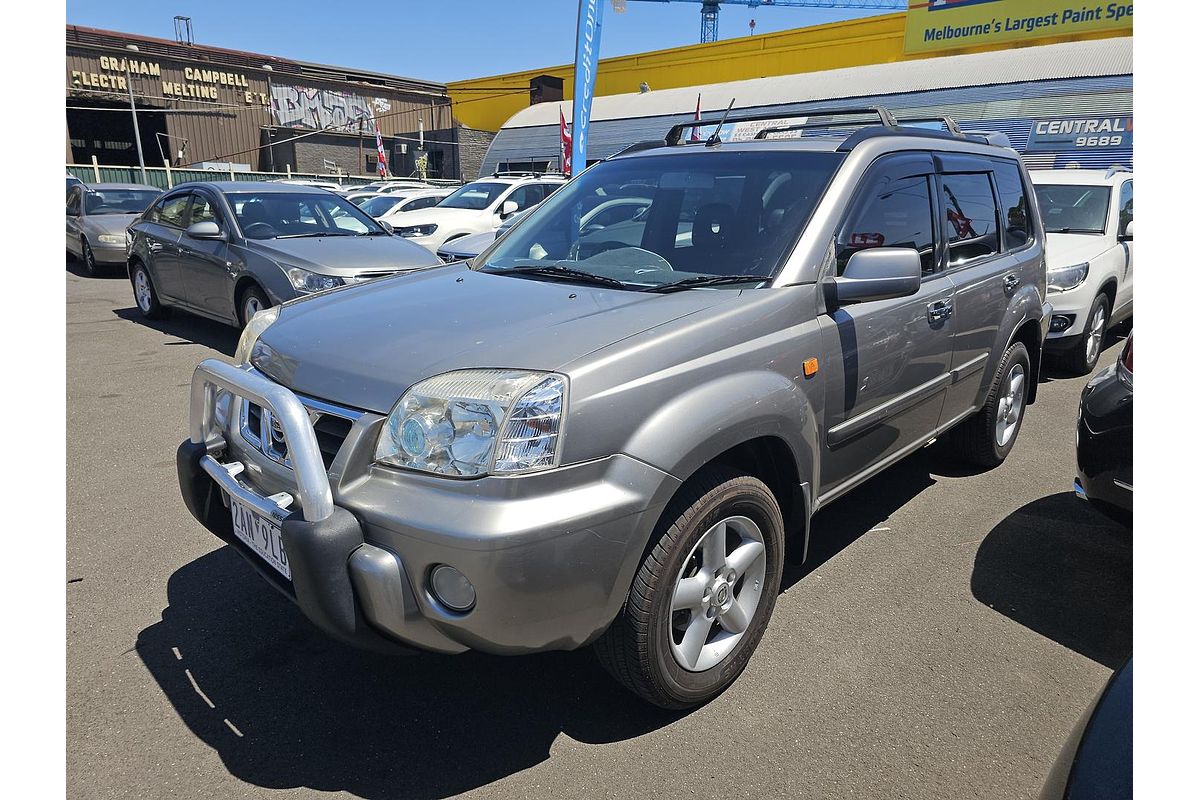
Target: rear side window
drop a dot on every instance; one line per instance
(1014, 205)
(970, 217)
(1125, 206)
(897, 213)
(170, 210)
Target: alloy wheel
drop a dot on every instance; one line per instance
(141, 290)
(1012, 402)
(1095, 335)
(717, 592)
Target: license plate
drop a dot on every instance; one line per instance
(261, 534)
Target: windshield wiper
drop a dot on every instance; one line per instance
(1072, 230)
(568, 273)
(313, 233)
(705, 280)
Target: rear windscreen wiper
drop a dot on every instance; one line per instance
(706, 280)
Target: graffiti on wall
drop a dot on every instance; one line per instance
(306, 107)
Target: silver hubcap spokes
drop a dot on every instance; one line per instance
(717, 592)
(1095, 335)
(1012, 401)
(252, 307)
(141, 290)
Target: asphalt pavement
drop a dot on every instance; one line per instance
(944, 638)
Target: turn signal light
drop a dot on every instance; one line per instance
(810, 367)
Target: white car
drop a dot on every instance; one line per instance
(332, 186)
(398, 185)
(477, 207)
(1088, 215)
(394, 207)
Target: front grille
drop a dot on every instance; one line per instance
(330, 423)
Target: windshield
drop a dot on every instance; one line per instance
(1073, 208)
(378, 206)
(118, 201)
(653, 221)
(475, 196)
(279, 215)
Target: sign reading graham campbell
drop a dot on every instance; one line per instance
(933, 25)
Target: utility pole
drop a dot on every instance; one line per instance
(270, 120)
(137, 135)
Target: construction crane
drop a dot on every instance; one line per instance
(709, 9)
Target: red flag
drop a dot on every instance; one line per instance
(382, 164)
(564, 143)
(695, 135)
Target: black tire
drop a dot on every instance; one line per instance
(249, 296)
(1078, 359)
(90, 267)
(975, 440)
(148, 303)
(637, 647)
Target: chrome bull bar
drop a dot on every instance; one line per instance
(312, 482)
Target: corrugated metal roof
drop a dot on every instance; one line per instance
(1098, 58)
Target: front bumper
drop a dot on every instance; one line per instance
(551, 555)
(1075, 305)
(108, 253)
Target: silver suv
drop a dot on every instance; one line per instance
(611, 436)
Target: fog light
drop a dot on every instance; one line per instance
(1060, 322)
(451, 588)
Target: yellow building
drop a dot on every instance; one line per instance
(487, 103)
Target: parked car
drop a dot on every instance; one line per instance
(97, 216)
(1088, 216)
(1096, 762)
(608, 212)
(574, 441)
(413, 200)
(477, 207)
(402, 185)
(1104, 442)
(229, 250)
(358, 198)
(332, 186)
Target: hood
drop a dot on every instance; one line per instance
(1067, 249)
(110, 223)
(434, 215)
(364, 345)
(469, 246)
(345, 255)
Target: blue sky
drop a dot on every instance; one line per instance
(441, 41)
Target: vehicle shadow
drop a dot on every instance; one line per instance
(105, 272)
(1062, 569)
(195, 330)
(1054, 369)
(836, 526)
(285, 706)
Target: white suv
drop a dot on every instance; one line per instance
(1088, 214)
(477, 207)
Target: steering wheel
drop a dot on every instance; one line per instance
(260, 230)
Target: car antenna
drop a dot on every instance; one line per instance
(715, 139)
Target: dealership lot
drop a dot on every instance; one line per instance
(944, 638)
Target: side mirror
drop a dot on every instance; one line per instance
(880, 273)
(508, 208)
(1126, 235)
(205, 230)
(387, 226)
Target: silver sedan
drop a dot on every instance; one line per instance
(97, 216)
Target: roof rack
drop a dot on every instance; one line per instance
(882, 115)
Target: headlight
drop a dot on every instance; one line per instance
(111, 238)
(416, 230)
(254, 328)
(305, 281)
(474, 422)
(1064, 278)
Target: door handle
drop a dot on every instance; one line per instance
(940, 311)
(1010, 281)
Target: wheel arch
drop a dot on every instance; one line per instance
(243, 284)
(1028, 333)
